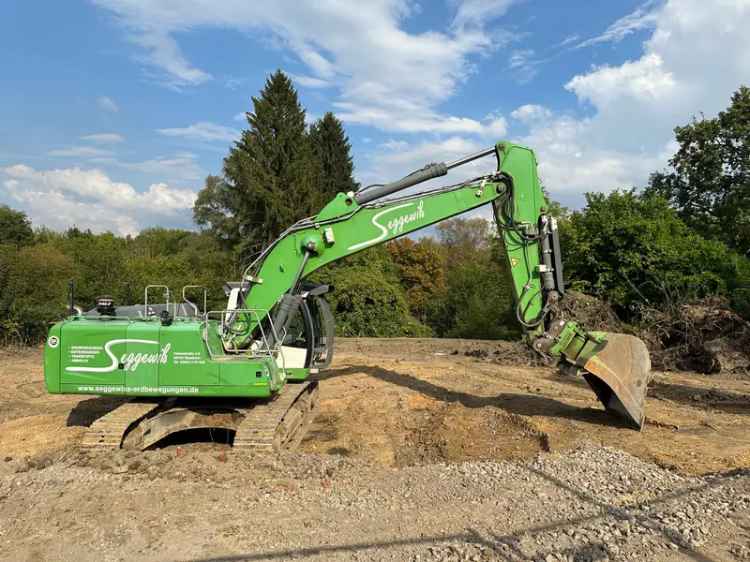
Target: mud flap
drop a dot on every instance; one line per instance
(619, 375)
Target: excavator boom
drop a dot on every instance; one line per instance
(616, 366)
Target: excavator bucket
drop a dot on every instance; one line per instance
(619, 375)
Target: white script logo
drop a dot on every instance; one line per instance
(130, 361)
(394, 226)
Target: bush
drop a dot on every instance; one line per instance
(368, 299)
(34, 293)
(632, 250)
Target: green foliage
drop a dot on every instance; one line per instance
(709, 184)
(478, 298)
(420, 268)
(98, 260)
(34, 280)
(465, 237)
(633, 249)
(34, 292)
(216, 208)
(368, 299)
(331, 151)
(15, 227)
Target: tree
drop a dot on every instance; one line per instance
(35, 293)
(269, 174)
(421, 271)
(98, 260)
(157, 241)
(709, 184)
(215, 208)
(478, 298)
(477, 301)
(465, 237)
(331, 150)
(633, 249)
(367, 298)
(15, 227)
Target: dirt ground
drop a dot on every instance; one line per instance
(415, 401)
(419, 452)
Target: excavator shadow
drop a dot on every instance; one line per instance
(514, 403)
(726, 401)
(89, 410)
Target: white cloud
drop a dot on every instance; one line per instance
(398, 119)
(164, 53)
(80, 152)
(477, 12)
(104, 138)
(203, 131)
(179, 167)
(309, 81)
(495, 126)
(234, 83)
(645, 80)
(644, 17)
(90, 199)
(240, 117)
(696, 57)
(523, 65)
(107, 104)
(531, 113)
(386, 76)
(569, 40)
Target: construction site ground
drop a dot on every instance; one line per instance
(420, 452)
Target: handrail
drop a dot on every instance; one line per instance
(188, 301)
(145, 297)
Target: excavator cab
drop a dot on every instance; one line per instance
(307, 340)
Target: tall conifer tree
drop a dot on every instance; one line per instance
(269, 174)
(331, 150)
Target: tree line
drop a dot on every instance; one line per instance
(684, 236)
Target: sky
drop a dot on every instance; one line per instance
(112, 112)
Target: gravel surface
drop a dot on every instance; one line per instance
(205, 502)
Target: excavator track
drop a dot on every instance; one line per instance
(277, 424)
(281, 423)
(108, 431)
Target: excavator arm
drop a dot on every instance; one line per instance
(616, 366)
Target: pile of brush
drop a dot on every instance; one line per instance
(704, 336)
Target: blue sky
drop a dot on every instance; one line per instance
(112, 112)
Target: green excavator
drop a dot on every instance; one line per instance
(249, 368)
